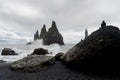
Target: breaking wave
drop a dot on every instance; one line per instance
(24, 50)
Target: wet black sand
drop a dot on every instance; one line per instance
(55, 72)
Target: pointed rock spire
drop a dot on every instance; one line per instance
(53, 27)
(43, 31)
(86, 33)
(36, 35)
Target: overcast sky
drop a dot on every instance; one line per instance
(19, 19)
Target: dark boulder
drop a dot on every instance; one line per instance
(43, 32)
(29, 43)
(58, 56)
(100, 51)
(53, 36)
(33, 63)
(40, 51)
(8, 51)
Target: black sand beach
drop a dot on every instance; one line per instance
(56, 72)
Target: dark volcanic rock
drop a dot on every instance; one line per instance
(58, 56)
(86, 33)
(29, 43)
(43, 32)
(33, 63)
(100, 50)
(53, 36)
(36, 35)
(8, 51)
(40, 51)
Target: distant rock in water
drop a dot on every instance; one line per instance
(53, 36)
(40, 51)
(43, 32)
(29, 43)
(100, 50)
(8, 51)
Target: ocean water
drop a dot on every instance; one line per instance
(24, 50)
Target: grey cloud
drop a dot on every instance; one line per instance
(70, 15)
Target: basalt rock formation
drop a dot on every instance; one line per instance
(40, 51)
(53, 36)
(99, 51)
(43, 32)
(36, 35)
(8, 51)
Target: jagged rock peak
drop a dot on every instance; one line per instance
(53, 36)
(43, 31)
(36, 35)
(53, 27)
(86, 33)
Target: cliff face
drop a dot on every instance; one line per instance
(53, 36)
(43, 32)
(99, 50)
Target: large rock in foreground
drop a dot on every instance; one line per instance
(99, 50)
(33, 63)
(8, 51)
(53, 36)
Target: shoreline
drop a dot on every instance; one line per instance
(56, 72)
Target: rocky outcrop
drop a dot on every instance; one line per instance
(36, 35)
(29, 43)
(99, 50)
(53, 36)
(40, 51)
(8, 51)
(58, 56)
(43, 32)
(33, 63)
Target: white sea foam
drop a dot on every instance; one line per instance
(24, 50)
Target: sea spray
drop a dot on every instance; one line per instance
(53, 49)
(24, 50)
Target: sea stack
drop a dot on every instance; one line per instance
(100, 50)
(53, 36)
(43, 31)
(36, 35)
